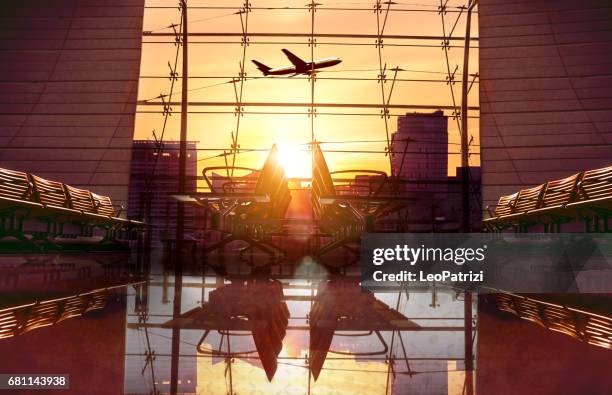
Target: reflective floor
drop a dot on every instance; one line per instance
(139, 324)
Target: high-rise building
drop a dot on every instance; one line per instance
(419, 149)
(161, 168)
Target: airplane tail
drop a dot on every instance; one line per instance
(262, 67)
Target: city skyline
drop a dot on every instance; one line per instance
(211, 59)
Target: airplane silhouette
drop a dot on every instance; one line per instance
(299, 66)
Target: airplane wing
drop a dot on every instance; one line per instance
(297, 62)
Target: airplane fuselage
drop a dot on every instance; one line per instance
(306, 68)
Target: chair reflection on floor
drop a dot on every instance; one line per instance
(253, 307)
(17, 320)
(587, 327)
(341, 305)
(67, 274)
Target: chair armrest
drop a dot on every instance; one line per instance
(212, 196)
(382, 174)
(206, 170)
(120, 207)
(488, 208)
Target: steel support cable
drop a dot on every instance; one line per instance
(149, 354)
(296, 78)
(450, 75)
(380, 141)
(233, 81)
(316, 35)
(398, 69)
(302, 144)
(192, 22)
(312, 7)
(391, 357)
(332, 43)
(297, 104)
(343, 114)
(246, 151)
(399, 334)
(464, 105)
(229, 357)
(406, 373)
(286, 113)
(450, 34)
(382, 77)
(432, 10)
(167, 109)
(244, 24)
(271, 9)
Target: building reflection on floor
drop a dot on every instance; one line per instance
(123, 324)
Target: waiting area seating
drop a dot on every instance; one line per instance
(585, 196)
(65, 273)
(28, 201)
(345, 209)
(250, 208)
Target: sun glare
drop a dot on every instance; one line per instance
(296, 160)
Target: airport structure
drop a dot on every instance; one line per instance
(273, 301)
(70, 72)
(70, 84)
(545, 97)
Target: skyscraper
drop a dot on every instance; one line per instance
(161, 168)
(420, 147)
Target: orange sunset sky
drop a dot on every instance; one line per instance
(213, 61)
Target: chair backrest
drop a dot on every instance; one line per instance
(505, 205)
(595, 184)
(15, 185)
(322, 182)
(80, 199)
(273, 183)
(529, 199)
(104, 205)
(49, 193)
(591, 184)
(560, 192)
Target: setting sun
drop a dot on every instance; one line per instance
(296, 160)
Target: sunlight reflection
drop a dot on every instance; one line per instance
(348, 376)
